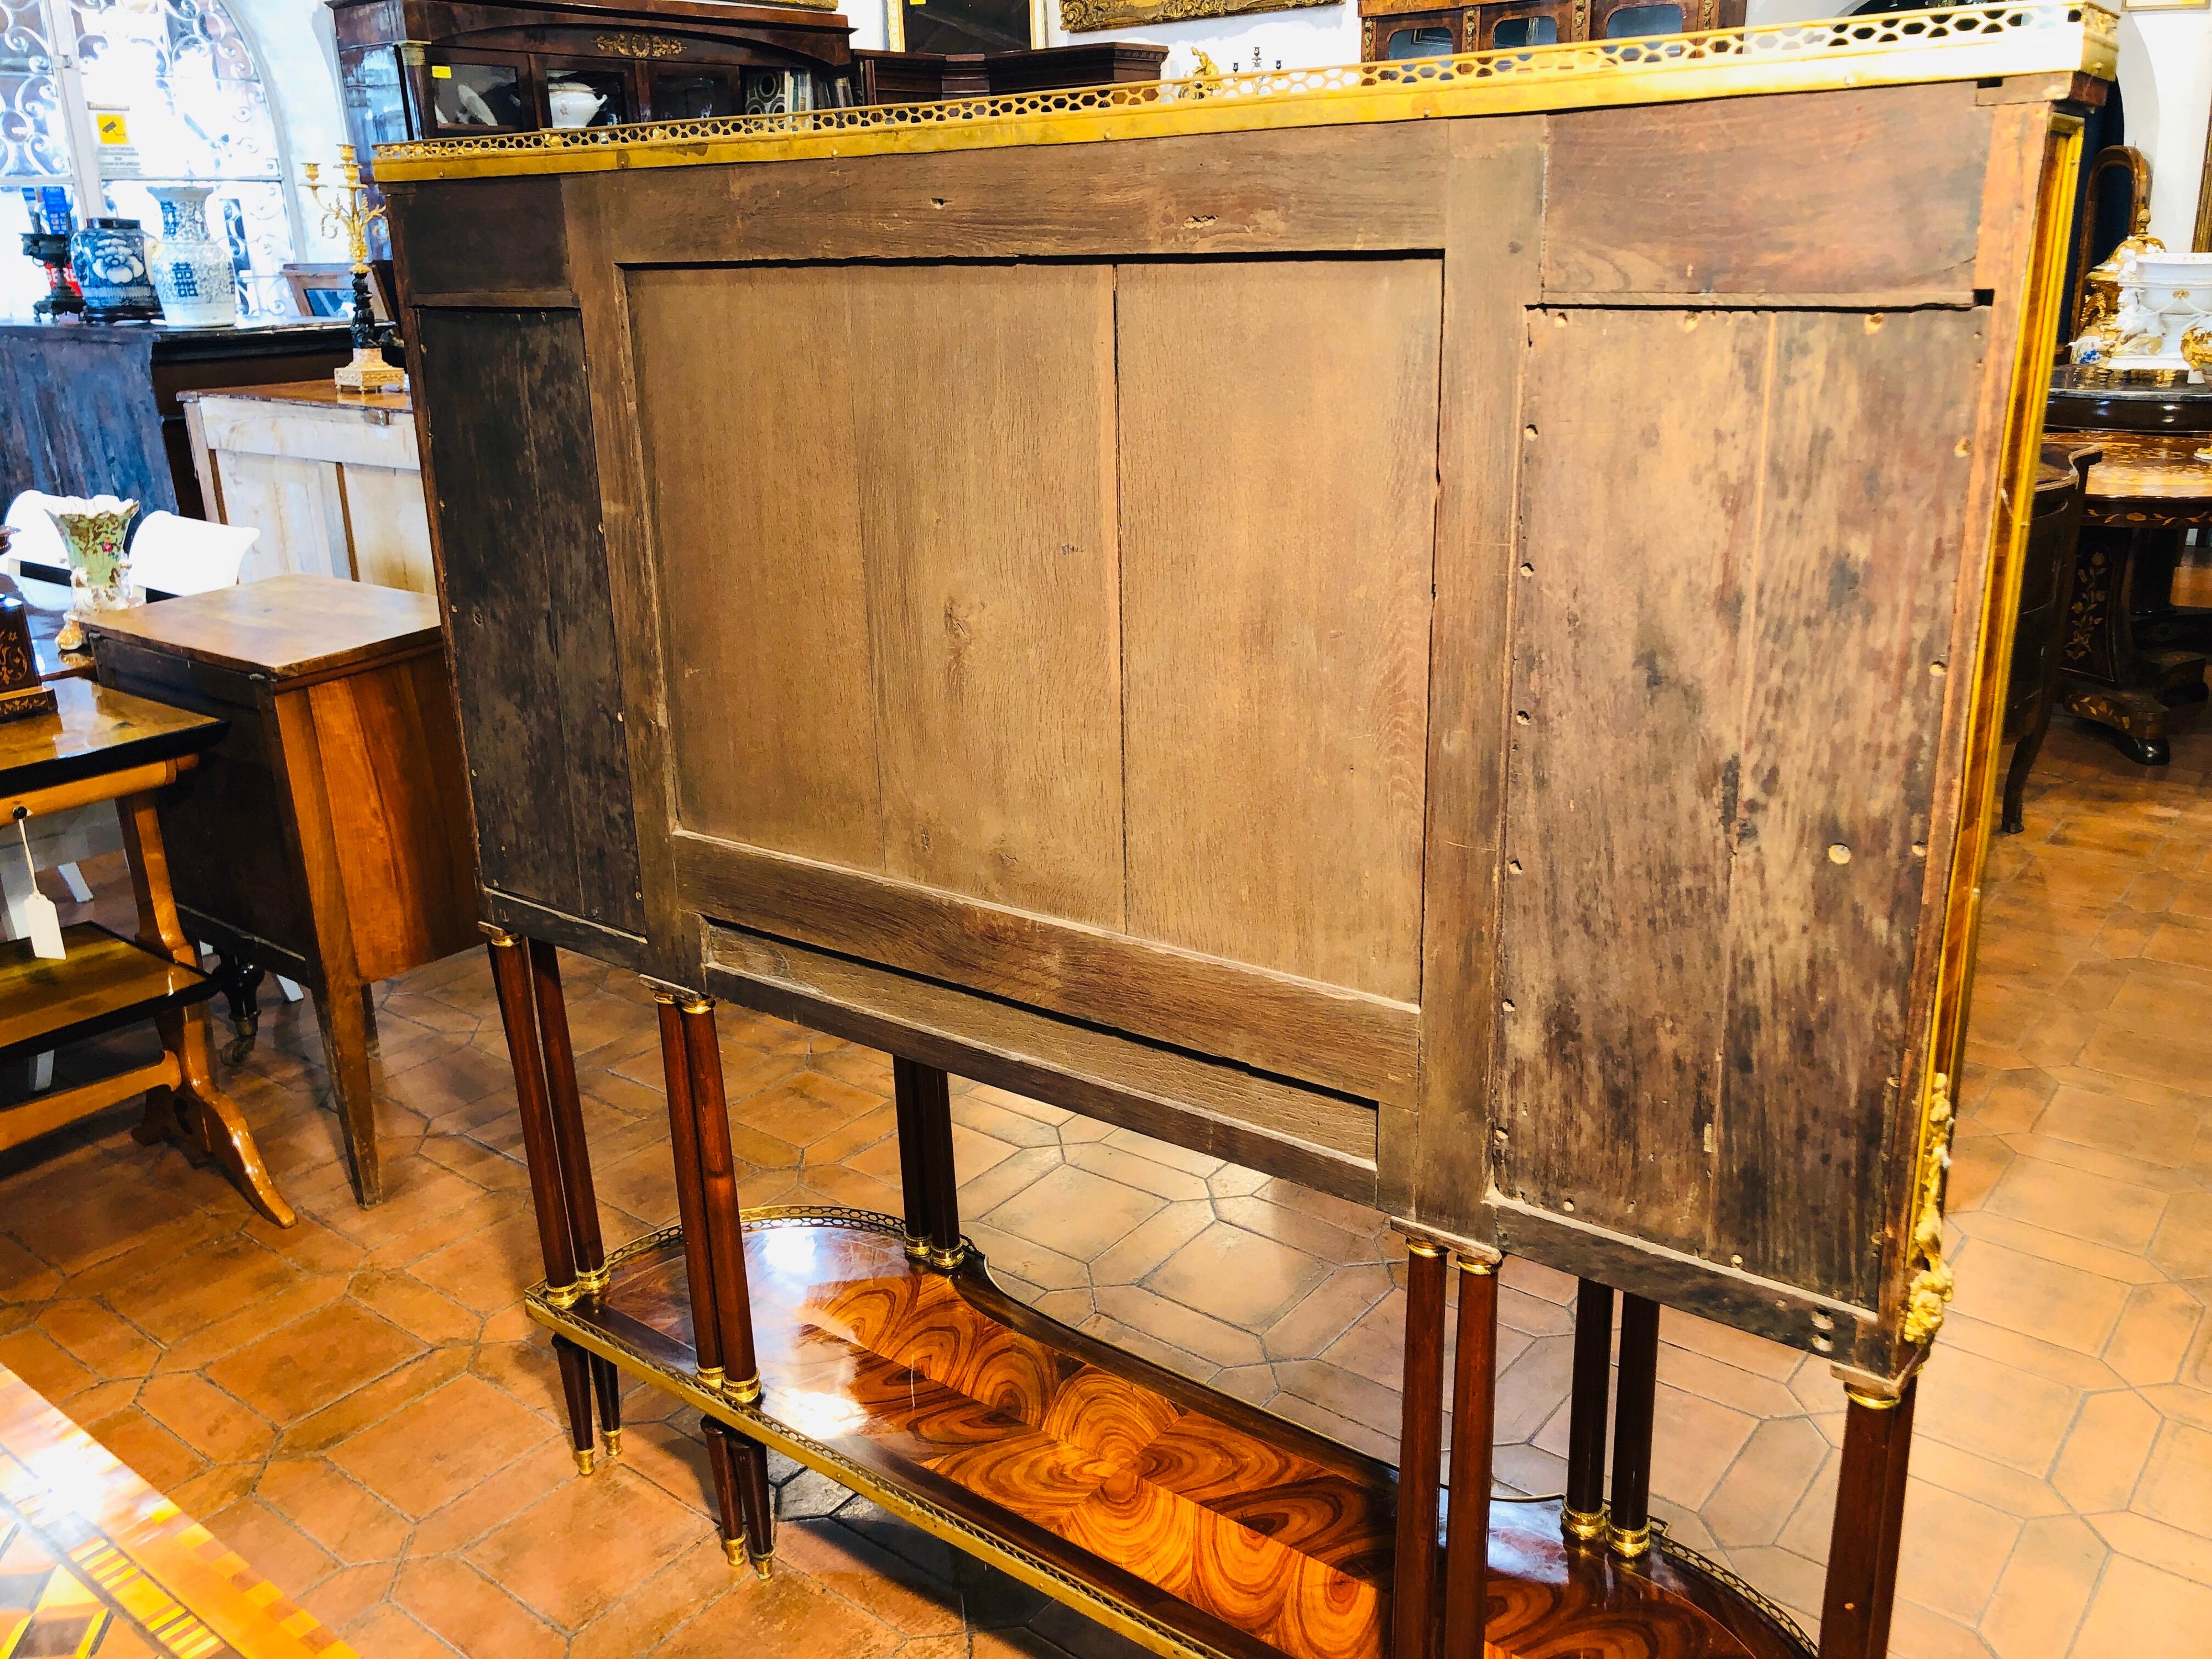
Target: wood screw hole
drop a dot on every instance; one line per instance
(1936, 670)
(1521, 716)
(1514, 865)
(1840, 854)
(1507, 1006)
(1529, 432)
(1527, 569)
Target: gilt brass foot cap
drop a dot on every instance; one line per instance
(710, 1377)
(1583, 1528)
(583, 1460)
(764, 1564)
(1630, 1545)
(734, 1550)
(917, 1247)
(745, 1393)
(946, 1260)
(613, 1437)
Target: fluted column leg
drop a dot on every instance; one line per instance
(717, 1177)
(931, 1184)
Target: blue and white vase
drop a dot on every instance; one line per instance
(192, 270)
(109, 258)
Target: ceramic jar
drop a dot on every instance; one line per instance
(192, 270)
(109, 258)
(93, 531)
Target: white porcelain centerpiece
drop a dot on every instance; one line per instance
(572, 103)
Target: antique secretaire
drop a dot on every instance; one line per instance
(1435, 629)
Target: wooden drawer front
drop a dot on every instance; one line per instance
(227, 823)
(517, 512)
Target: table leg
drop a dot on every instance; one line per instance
(1475, 1413)
(1420, 1444)
(196, 1107)
(1636, 1396)
(1582, 1517)
(691, 1190)
(926, 1166)
(718, 1175)
(724, 1463)
(580, 1201)
(510, 975)
(1861, 1588)
(341, 1013)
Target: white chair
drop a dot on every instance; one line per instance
(175, 554)
(34, 536)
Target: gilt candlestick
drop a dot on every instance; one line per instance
(345, 209)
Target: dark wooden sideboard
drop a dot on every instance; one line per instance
(92, 409)
(1441, 633)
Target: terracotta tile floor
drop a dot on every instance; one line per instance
(360, 1407)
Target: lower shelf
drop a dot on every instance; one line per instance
(1190, 1522)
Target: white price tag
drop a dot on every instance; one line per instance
(45, 922)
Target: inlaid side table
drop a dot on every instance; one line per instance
(101, 745)
(326, 837)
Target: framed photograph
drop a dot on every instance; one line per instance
(325, 291)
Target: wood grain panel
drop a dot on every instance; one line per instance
(524, 572)
(1279, 489)
(1625, 691)
(1830, 193)
(1848, 627)
(1320, 1140)
(469, 240)
(1363, 1046)
(1734, 711)
(744, 403)
(392, 767)
(1231, 193)
(986, 439)
(1435, 1163)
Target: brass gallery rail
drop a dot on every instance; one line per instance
(1967, 43)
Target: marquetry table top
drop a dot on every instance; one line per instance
(2151, 466)
(96, 1563)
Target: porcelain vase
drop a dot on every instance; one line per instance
(192, 270)
(93, 530)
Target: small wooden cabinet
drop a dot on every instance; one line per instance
(1398, 29)
(326, 836)
(329, 479)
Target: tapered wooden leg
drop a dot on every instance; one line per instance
(510, 975)
(691, 1190)
(580, 1202)
(576, 1389)
(1420, 1443)
(345, 1025)
(731, 1517)
(913, 1182)
(1635, 1397)
(757, 1501)
(1582, 1515)
(924, 1120)
(1869, 1514)
(1474, 1412)
(606, 1383)
(718, 1176)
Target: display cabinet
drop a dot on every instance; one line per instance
(1442, 636)
(1396, 30)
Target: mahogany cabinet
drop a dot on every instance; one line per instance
(1440, 636)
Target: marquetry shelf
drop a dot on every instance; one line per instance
(1190, 1522)
(104, 983)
